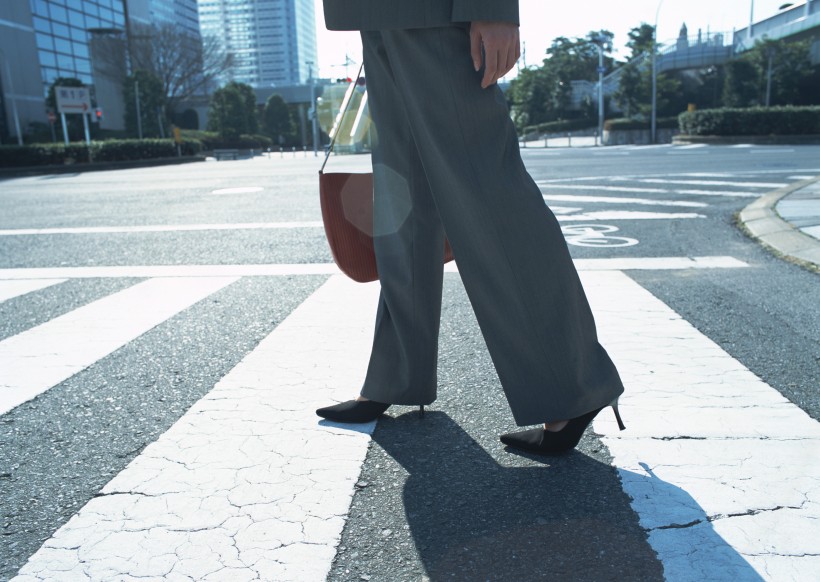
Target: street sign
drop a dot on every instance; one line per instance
(73, 99)
(602, 70)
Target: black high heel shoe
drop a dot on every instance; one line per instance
(356, 411)
(544, 442)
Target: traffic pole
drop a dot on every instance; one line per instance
(65, 127)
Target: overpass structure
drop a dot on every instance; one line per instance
(801, 21)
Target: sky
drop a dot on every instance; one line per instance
(544, 20)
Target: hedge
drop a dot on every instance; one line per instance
(559, 126)
(118, 150)
(625, 123)
(211, 140)
(752, 121)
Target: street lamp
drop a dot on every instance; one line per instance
(312, 111)
(13, 99)
(601, 42)
(654, 129)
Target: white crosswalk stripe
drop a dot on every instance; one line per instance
(241, 486)
(17, 287)
(42, 357)
(589, 196)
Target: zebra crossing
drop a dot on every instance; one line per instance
(682, 196)
(247, 485)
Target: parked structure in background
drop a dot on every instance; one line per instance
(271, 41)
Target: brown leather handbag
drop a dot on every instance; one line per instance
(347, 212)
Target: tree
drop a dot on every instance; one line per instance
(544, 94)
(151, 104)
(233, 111)
(630, 94)
(789, 63)
(276, 120)
(186, 65)
(530, 96)
(793, 79)
(641, 40)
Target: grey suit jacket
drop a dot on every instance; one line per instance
(391, 14)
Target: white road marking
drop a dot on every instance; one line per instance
(241, 190)
(725, 193)
(773, 151)
(638, 189)
(694, 146)
(712, 183)
(38, 359)
(162, 228)
(628, 215)
(617, 200)
(15, 288)
(248, 484)
(193, 271)
(721, 468)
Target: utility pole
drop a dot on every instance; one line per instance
(599, 41)
(312, 111)
(139, 113)
(13, 100)
(751, 20)
(654, 123)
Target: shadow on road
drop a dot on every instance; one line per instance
(473, 519)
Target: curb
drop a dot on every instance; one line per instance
(783, 140)
(96, 166)
(761, 222)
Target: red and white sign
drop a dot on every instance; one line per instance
(73, 99)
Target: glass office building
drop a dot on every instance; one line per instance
(42, 40)
(61, 32)
(273, 42)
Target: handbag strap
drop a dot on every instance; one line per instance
(348, 99)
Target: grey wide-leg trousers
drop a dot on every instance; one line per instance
(446, 159)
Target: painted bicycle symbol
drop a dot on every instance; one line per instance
(595, 235)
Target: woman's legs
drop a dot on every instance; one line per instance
(447, 149)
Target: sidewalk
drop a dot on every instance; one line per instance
(788, 222)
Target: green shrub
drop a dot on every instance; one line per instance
(212, 140)
(115, 150)
(752, 121)
(625, 123)
(560, 126)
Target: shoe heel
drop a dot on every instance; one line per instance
(614, 406)
(421, 410)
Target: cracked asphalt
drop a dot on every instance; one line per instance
(192, 452)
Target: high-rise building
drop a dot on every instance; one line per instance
(272, 42)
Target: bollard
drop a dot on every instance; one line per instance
(569, 139)
(281, 152)
(294, 151)
(546, 142)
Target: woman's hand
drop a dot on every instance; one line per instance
(501, 48)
